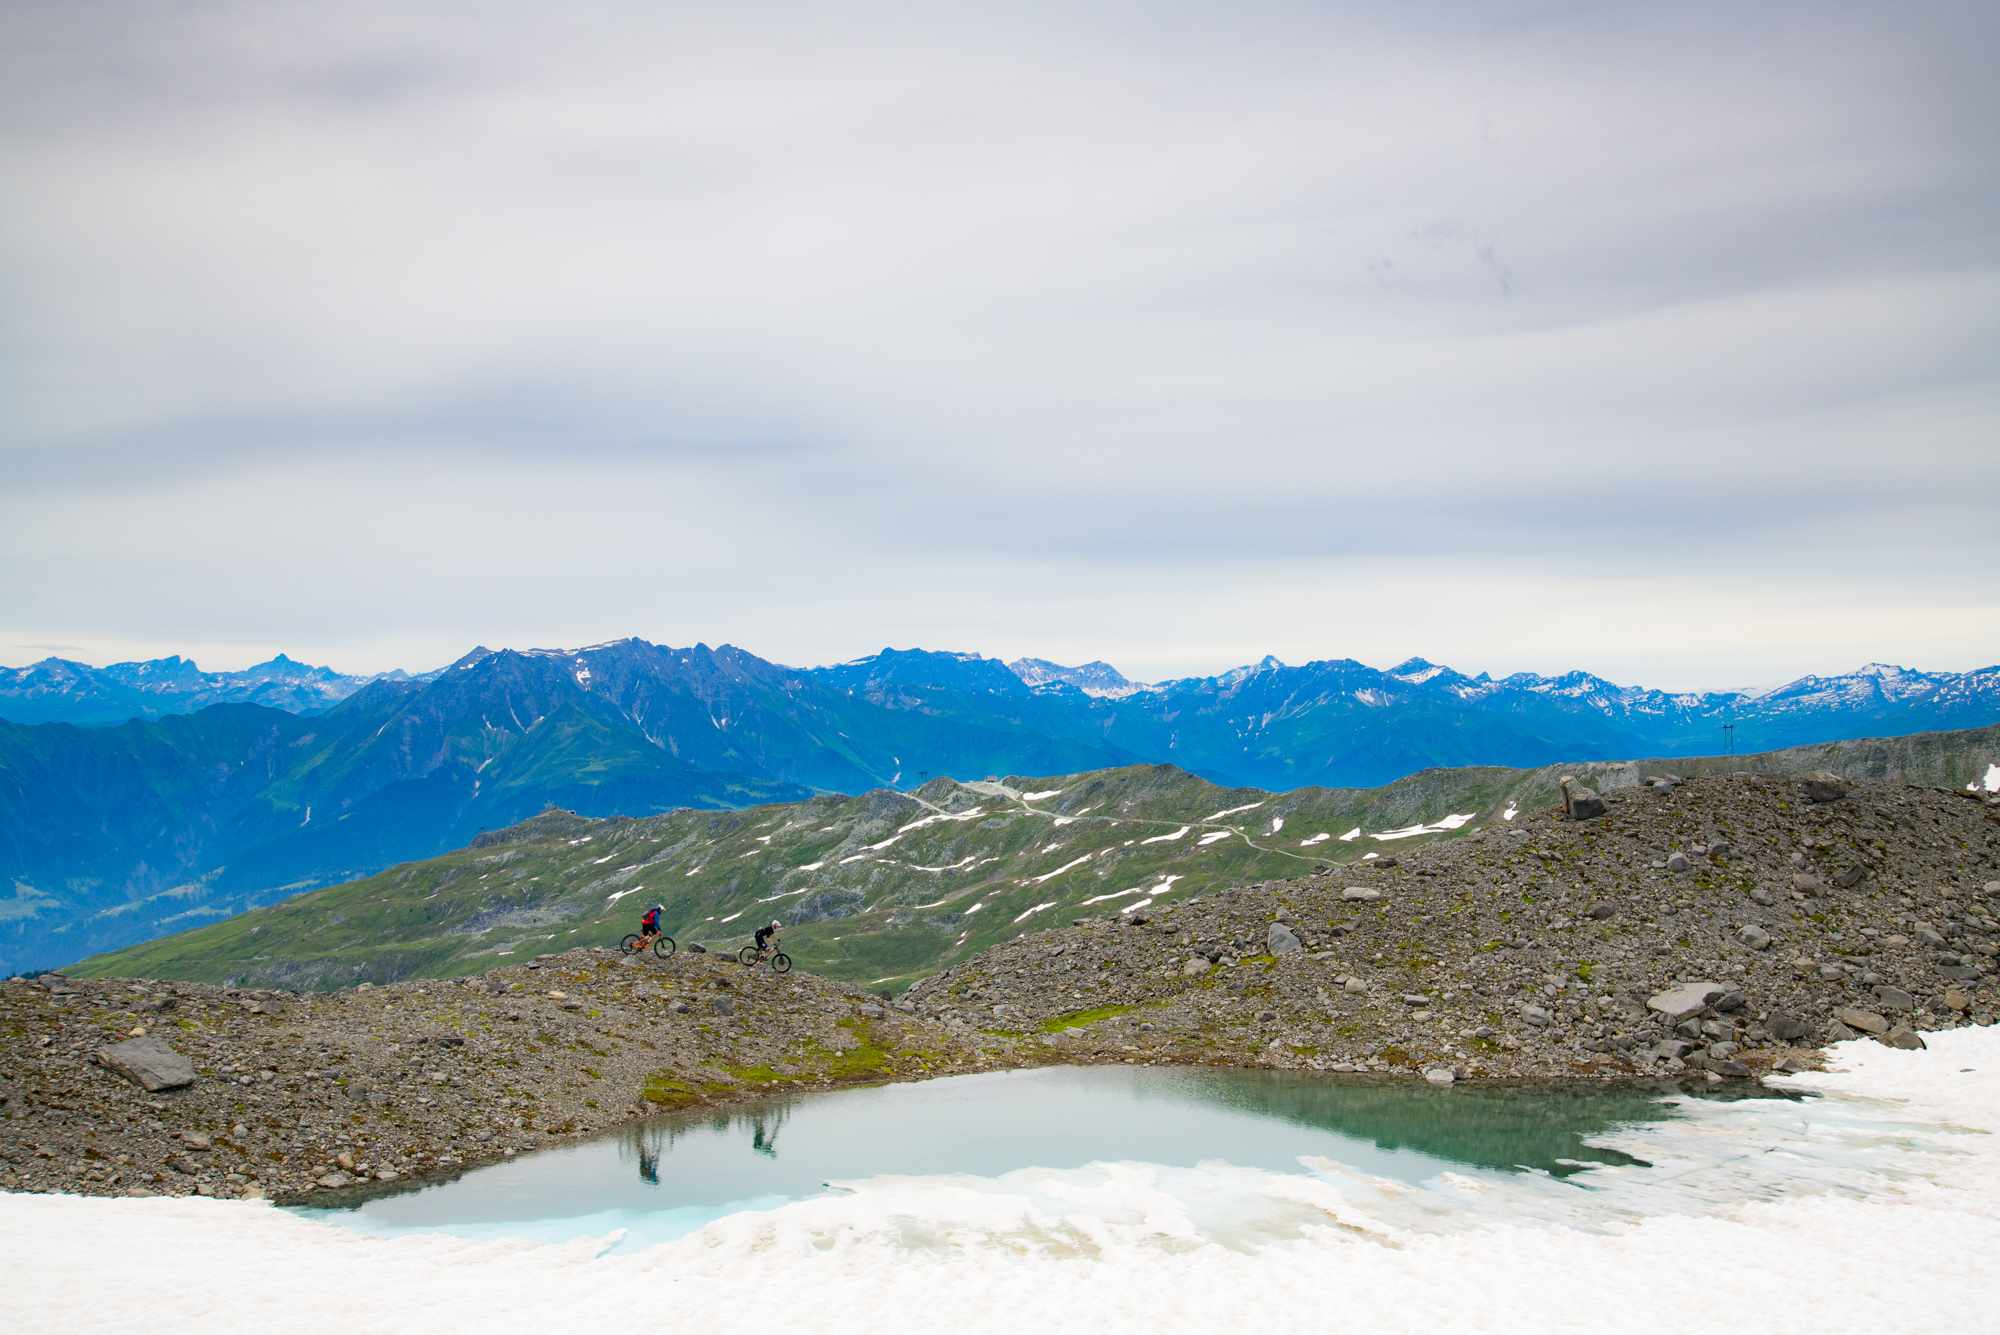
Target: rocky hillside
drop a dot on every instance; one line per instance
(1715, 923)
(1711, 928)
(883, 888)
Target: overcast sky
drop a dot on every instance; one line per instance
(1662, 340)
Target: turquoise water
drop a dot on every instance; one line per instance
(669, 1176)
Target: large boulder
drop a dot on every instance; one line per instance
(1282, 940)
(1686, 1001)
(1825, 786)
(148, 1063)
(1579, 802)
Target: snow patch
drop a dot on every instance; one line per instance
(1234, 811)
(1214, 837)
(1452, 822)
(1351, 835)
(1319, 838)
(1037, 909)
(1051, 875)
(1168, 838)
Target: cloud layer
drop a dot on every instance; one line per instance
(1660, 340)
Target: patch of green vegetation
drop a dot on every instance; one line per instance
(1584, 969)
(1055, 1024)
(664, 1089)
(755, 1075)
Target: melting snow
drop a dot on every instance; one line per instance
(1277, 824)
(962, 862)
(1511, 812)
(1409, 831)
(975, 908)
(734, 916)
(1039, 797)
(1316, 839)
(617, 895)
(810, 866)
(1037, 909)
(1351, 835)
(1214, 837)
(1116, 894)
(937, 816)
(1051, 875)
(1232, 811)
(599, 862)
(1168, 838)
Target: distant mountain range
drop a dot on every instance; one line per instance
(57, 690)
(112, 834)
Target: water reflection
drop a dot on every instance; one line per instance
(678, 1171)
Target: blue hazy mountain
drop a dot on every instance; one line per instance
(118, 832)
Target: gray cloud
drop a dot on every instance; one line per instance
(374, 332)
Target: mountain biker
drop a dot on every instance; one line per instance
(649, 926)
(767, 937)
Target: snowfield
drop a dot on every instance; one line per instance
(1874, 1208)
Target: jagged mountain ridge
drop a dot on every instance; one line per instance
(61, 690)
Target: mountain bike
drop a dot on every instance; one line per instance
(663, 945)
(752, 956)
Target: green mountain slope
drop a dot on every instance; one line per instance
(885, 887)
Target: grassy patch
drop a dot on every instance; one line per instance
(1055, 1024)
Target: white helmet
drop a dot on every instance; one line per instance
(774, 924)
(659, 908)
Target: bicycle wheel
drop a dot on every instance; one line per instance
(663, 946)
(781, 962)
(748, 955)
(630, 943)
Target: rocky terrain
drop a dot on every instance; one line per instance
(1719, 925)
(270, 1093)
(1703, 928)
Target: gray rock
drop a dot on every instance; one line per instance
(1195, 966)
(1786, 1028)
(1956, 1000)
(1677, 861)
(1354, 984)
(1867, 1022)
(1536, 1015)
(1850, 876)
(1685, 1001)
(1441, 1075)
(871, 1011)
(1281, 940)
(1601, 912)
(1360, 893)
(148, 1063)
(1825, 786)
(1729, 1002)
(1894, 999)
(1806, 882)
(1581, 803)
(723, 1005)
(1763, 896)
(1902, 1036)
(1754, 937)
(335, 1181)
(1836, 1032)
